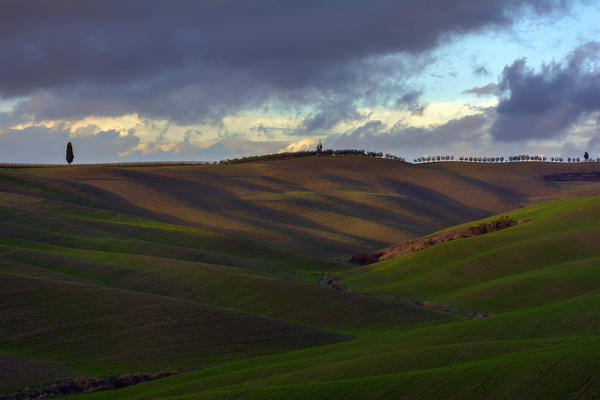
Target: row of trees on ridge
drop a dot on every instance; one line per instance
(520, 157)
(308, 153)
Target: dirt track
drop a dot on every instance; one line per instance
(331, 281)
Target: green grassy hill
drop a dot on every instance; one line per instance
(113, 270)
(553, 255)
(543, 343)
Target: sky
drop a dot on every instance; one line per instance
(148, 80)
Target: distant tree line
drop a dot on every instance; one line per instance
(309, 153)
(527, 157)
(515, 158)
(426, 159)
(482, 159)
(433, 159)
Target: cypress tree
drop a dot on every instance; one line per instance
(70, 155)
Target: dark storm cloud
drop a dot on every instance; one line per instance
(545, 104)
(410, 101)
(8, 119)
(191, 60)
(328, 116)
(410, 98)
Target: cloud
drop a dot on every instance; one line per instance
(301, 145)
(410, 101)
(232, 146)
(39, 144)
(104, 146)
(188, 61)
(33, 145)
(448, 138)
(328, 116)
(480, 70)
(489, 89)
(547, 103)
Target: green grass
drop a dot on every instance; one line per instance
(17, 372)
(551, 257)
(89, 228)
(504, 356)
(542, 345)
(107, 271)
(223, 286)
(101, 331)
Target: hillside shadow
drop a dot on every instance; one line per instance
(426, 209)
(519, 199)
(339, 205)
(437, 202)
(215, 199)
(107, 200)
(286, 186)
(346, 183)
(239, 182)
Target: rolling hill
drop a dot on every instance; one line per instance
(322, 205)
(542, 343)
(109, 270)
(552, 256)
